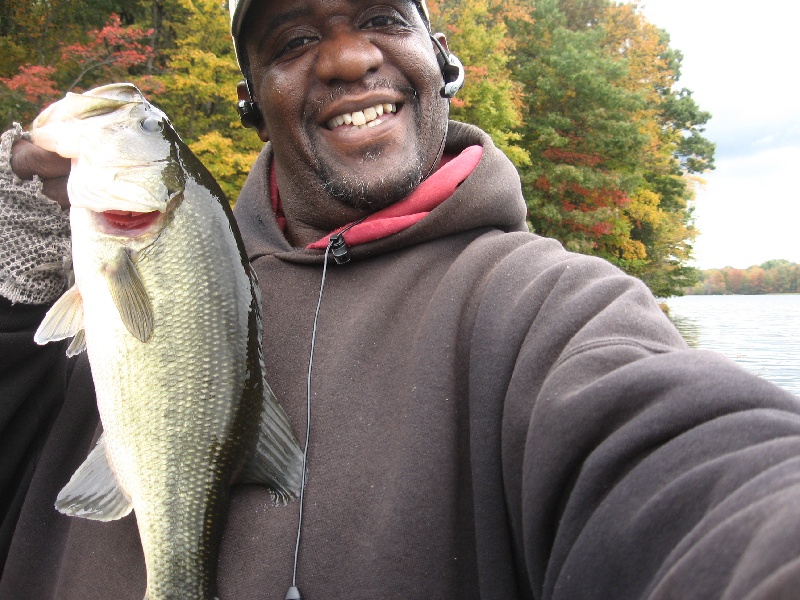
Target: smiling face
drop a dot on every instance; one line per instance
(349, 92)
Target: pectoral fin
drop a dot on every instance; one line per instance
(63, 320)
(93, 492)
(130, 296)
(277, 460)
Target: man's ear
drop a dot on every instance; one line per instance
(440, 37)
(248, 110)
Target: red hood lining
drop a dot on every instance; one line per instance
(451, 172)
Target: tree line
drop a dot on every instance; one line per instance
(582, 95)
(771, 277)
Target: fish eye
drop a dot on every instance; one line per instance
(151, 124)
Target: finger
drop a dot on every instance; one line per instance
(28, 159)
(56, 189)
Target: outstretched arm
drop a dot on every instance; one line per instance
(632, 466)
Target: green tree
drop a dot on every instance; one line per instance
(579, 131)
(477, 33)
(614, 150)
(676, 151)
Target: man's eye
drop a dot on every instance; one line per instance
(298, 42)
(295, 43)
(383, 21)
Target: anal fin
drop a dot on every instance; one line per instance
(93, 491)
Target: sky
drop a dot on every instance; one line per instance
(740, 61)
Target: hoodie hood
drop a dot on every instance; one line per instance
(490, 196)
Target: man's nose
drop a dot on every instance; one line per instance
(347, 56)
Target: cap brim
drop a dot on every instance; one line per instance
(237, 15)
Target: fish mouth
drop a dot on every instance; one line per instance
(128, 223)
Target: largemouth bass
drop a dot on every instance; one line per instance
(168, 309)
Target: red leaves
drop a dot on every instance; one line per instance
(113, 47)
(35, 83)
(109, 52)
(542, 184)
(571, 157)
(602, 228)
(591, 199)
(113, 44)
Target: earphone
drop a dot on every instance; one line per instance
(248, 111)
(249, 114)
(452, 70)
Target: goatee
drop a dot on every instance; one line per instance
(351, 190)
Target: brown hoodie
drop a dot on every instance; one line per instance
(491, 417)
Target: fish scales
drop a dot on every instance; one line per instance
(170, 321)
(167, 439)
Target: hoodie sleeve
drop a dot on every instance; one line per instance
(632, 466)
(32, 384)
(34, 240)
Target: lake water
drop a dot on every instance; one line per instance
(762, 333)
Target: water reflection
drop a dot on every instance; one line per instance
(762, 333)
(689, 328)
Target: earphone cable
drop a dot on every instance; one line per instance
(308, 412)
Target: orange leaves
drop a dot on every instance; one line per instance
(476, 71)
(491, 99)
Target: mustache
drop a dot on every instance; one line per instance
(314, 108)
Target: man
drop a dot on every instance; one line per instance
(490, 416)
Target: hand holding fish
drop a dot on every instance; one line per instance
(28, 159)
(167, 307)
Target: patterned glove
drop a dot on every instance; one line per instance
(34, 235)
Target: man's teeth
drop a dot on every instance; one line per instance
(363, 118)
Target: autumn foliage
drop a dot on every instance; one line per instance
(582, 95)
(177, 51)
(108, 53)
(771, 277)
